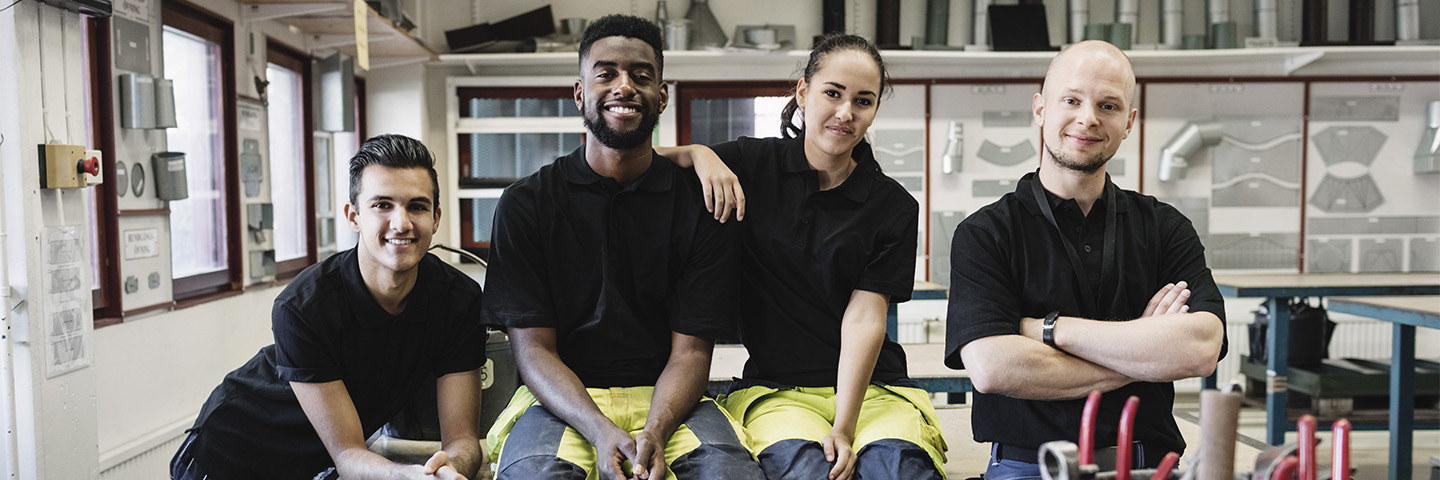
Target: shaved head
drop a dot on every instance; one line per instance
(1084, 58)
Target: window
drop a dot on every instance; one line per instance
(105, 296)
(502, 135)
(290, 167)
(721, 113)
(204, 227)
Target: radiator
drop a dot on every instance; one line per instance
(148, 464)
(1354, 338)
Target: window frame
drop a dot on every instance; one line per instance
(298, 62)
(688, 91)
(200, 22)
(104, 300)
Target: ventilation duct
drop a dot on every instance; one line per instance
(1193, 137)
(1427, 155)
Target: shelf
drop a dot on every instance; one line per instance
(929, 64)
(330, 24)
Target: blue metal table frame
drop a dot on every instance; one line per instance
(1278, 290)
(1405, 313)
(923, 291)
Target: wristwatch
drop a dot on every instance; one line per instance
(1047, 333)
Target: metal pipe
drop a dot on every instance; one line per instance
(1125, 451)
(1191, 138)
(1172, 21)
(1087, 428)
(1266, 19)
(1305, 440)
(1340, 450)
(982, 25)
(1407, 20)
(1128, 11)
(1079, 16)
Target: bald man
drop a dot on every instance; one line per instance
(1070, 284)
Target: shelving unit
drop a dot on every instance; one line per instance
(331, 25)
(925, 64)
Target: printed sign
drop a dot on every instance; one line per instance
(142, 243)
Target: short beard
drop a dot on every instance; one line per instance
(1077, 164)
(616, 139)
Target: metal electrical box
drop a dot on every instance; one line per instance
(169, 171)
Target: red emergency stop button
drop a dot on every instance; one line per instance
(90, 165)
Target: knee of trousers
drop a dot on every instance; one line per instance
(548, 467)
(794, 459)
(894, 458)
(723, 462)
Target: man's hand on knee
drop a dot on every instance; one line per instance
(613, 448)
(650, 456)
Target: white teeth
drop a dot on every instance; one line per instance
(623, 110)
(396, 241)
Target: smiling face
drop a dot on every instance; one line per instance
(1086, 107)
(619, 93)
(395, 218)
(840, 101)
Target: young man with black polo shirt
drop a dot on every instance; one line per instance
(355, 338)
(1071, 284)
(613, 283)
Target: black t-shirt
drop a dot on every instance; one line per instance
(1007, 262)
(613, 269)
(327, 327)
(805, 251)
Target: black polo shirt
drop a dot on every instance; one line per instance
(613, 269)
(805, 251)
(328, 327)
(1007, 262)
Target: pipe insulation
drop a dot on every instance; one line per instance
(1079, 16)
(1192, 137)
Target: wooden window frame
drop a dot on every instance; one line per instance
(298, 62)
(688, 91)
(106, 299)
(200, 22)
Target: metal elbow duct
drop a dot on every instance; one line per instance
(954, 145)
(1427, 154)
(1192, 137)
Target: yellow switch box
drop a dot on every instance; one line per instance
(60, 165)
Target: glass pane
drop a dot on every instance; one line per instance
(505, 156)
(715, 120)
(287, 162)
(196, 223)
(479, 217)
(518, 107)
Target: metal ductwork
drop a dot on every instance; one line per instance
(1192, 137)
(1427, 155)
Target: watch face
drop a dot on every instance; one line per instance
(121, 179)
(137, 179)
